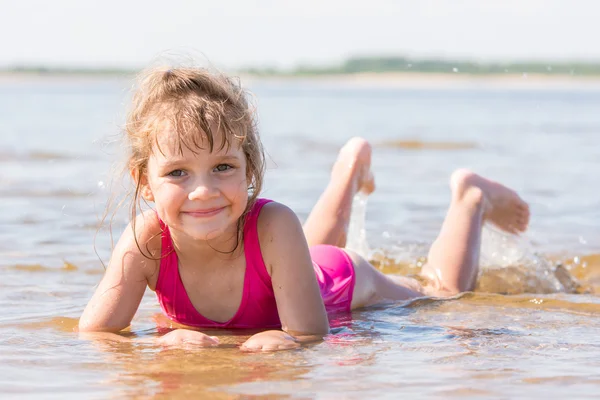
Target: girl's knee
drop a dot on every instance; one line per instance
(438, 286)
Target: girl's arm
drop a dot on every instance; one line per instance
(120, 292)
(299, 302)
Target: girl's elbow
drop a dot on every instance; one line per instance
(324, 332)
(88, 322)
(320, 331)
(87, 325)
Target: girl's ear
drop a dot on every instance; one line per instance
(141, 179)
(147, 192)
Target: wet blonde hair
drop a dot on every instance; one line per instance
(193, 104)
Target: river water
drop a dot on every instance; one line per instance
(530, 330)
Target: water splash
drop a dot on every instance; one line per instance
(357, 233)
(500, 250)
(508, 264)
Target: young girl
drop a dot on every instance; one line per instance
(218, 256)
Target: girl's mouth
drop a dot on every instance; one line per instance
(209, 212)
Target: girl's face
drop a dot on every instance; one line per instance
(201, 195)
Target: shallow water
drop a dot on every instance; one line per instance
(530, 330)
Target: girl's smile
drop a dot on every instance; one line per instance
(206, 213)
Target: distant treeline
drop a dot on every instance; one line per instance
(42, 70)
(403, 64)
(357, 65)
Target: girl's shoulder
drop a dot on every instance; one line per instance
(278, 229)
(148, 230)
(142, 240)
(274, 215)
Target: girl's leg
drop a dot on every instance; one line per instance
(372, 286)
(329, 219)
(453, 260)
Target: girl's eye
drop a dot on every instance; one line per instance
(223, 167)
(176, 173)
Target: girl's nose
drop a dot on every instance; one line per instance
(203, 190)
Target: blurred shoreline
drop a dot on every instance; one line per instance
(366, 79)
(437, 80)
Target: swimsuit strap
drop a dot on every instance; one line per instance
(169, 264)
(168, 256)
(254, 258)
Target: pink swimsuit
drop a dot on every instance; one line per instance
(258, 309)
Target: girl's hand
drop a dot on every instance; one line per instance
(270, 341)
(180, 337)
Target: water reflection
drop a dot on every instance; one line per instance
(180, 373)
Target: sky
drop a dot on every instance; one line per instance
(287, 33)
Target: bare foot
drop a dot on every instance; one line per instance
(503, 207)
(355, 157)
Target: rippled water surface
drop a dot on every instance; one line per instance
(530, 330)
